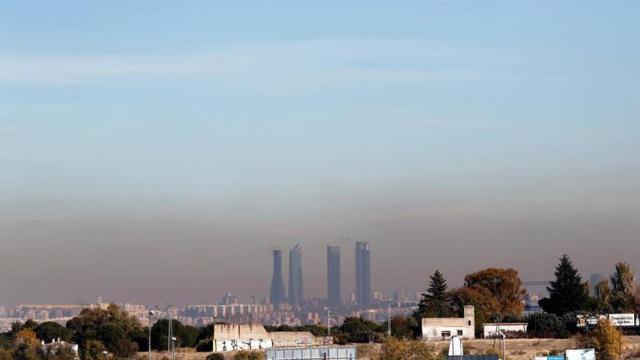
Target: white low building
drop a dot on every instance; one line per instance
(493, 330)
(445, 328)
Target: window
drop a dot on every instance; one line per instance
(460, 332)
(445, 334)
(469, 323)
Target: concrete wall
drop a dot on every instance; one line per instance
(491, 330)
(292, 338)
(436, 328)
(232, 337)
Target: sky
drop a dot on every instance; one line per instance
(155, 152)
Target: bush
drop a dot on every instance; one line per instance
(606, 339)
(205, 345)
(393, 349)
(215, 356)
(5, 354)
(248, 355)
(545, 325)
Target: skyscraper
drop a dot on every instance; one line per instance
(296, 295)
(333, 276)
(277, 282)
(363, 273)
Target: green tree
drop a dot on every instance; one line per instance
(625, 295)
(567, 292)
(110, 335)
(94, 350)
(112, 328)
(60, 352)
(358, 330)
(141, 338)
(189, 336)
(159, 331)
(401, 327)
(49, 330)
(602, 293)
(434, 301)
(546, 325)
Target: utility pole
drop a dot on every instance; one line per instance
(169, 329)
(389, 318)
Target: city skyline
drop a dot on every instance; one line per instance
(158, 152)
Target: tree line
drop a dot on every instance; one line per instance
(497, 296)
(100, 334)
(495, 293)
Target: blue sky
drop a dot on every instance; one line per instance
(236, 126)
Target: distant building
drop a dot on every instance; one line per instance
(445, 328)
(296, 293)
(333, 276)
(277, 281)
(363, 273)
(228, 299)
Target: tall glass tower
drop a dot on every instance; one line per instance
(277, 281)
(333, 276)
(363, 273)
(296, 294)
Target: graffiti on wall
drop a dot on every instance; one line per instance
(238, 344)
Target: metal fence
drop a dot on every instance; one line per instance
(319, 353)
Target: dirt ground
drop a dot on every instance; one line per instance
(517, 349)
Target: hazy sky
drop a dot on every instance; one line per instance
(156, 151)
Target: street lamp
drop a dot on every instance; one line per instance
(173, 347)
(151, 313)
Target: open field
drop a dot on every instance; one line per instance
(517, 349)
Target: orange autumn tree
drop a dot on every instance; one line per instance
(26, 336)
(504, 286)
(493, 292)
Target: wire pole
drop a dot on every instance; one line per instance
(389, 318)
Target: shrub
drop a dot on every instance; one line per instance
(205, 345)
(393, 349)
(248, 355)
(215, 356)
(606, 339)
(545, 325)
(5, 354)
